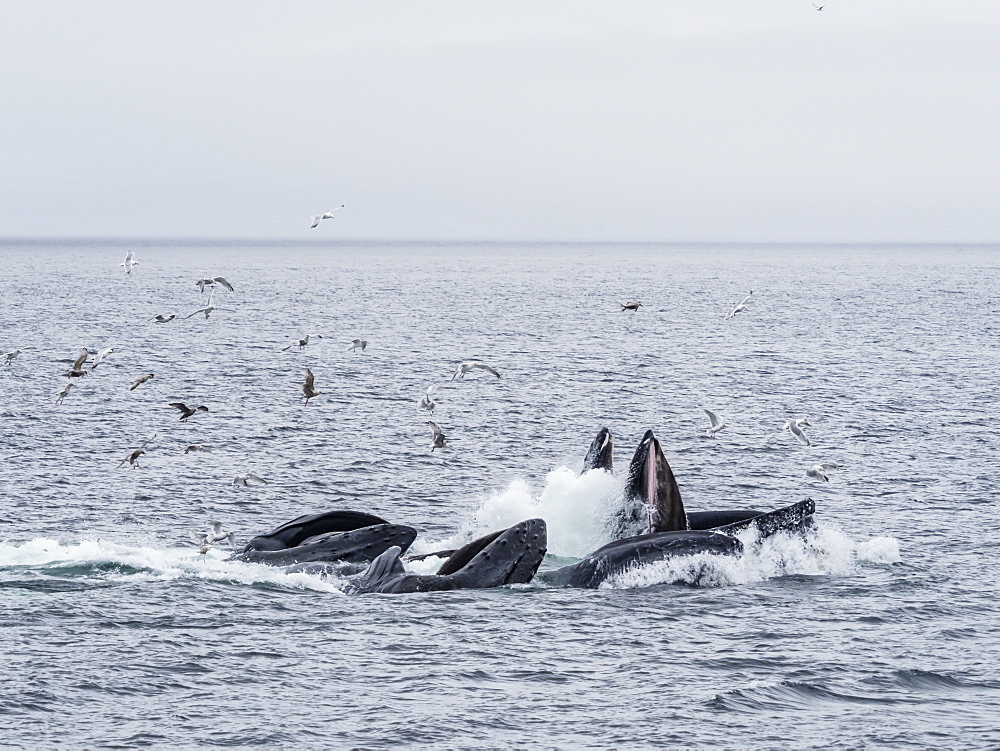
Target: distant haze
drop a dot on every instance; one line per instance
(730, 121)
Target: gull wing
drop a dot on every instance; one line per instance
(196, 538)
(224, 283)
(309, 379)
(713, 418)
(81, 359)
(484, 366)
(256, 478)
(200, 310)
(435, 429)
(178, 405)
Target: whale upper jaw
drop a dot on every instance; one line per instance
(600, 455)
(651, 485)
(512, 558)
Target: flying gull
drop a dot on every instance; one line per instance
(438, 440)
(795, 426)
(207, 310)
(63, 393)
(133, 457)
(301, 342)
(818, 471)
(139, 381)
(162, 319)
(101, 356)
(129, 262)
(11, 356)
(465, 367)
(242, 481)
(355, 343)
(327, 215)
(214, 535)
(187, 411)
(426, 402)
(717, 425)
(202, 283)
(739, 307)
(631, 305)
(308, 389)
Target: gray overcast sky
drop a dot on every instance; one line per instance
(569, 120)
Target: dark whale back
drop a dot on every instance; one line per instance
(600, 453)
(354, 546)
(297, 531)
(622, 555)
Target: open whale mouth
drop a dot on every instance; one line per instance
(651, 484)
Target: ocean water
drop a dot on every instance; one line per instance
(881, 630)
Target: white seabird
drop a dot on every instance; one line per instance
(133, 457)
(632, 305)
(465, 367)
(214, 535)
(325, 215)
(426, 402)
(129, 262)
(9, 357)
(242, 481)
(101, 356)
(202, 283)
(207, 310)
(162, 318)
(717, 425)
(795, 426)
(355, 343)
(818, 471)
(739, 307)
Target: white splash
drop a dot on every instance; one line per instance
(150, 563)
(574, 507)
(825, 551)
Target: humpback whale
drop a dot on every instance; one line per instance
(599, 455)
(653, 508)
(344, 536)
(512, 556)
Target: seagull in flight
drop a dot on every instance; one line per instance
(202, 283)
(795, 426)
(103, 355)
(465, 367)
(717, 425)
(133, 457)
(327, 215)
(818, 7)
(140, 380)
(301, 342)
(818, 471)
(129, 262)
(207, 310)
(244, 480)
(162, 319)
(76, 370)
(631, 305)
(63, 393)
(9, 357)
(739, 307)
(438, 440)
(196, 447)
(355, 343)
(426, 402)
(214, 535)
(187, 411)
(308, 388)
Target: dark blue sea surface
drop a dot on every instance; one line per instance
(880, 629)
